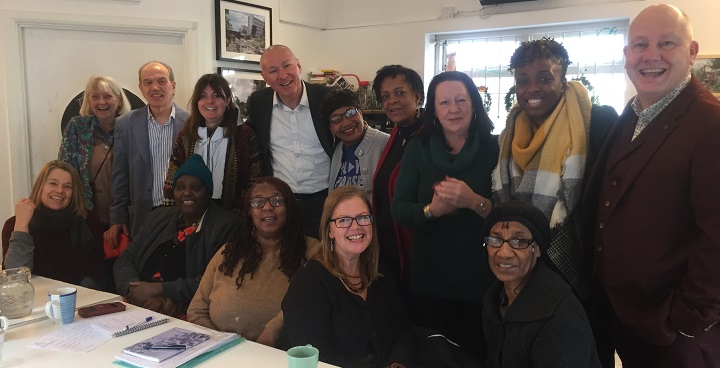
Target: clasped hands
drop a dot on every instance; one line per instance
(452, 194)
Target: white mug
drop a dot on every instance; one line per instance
(4, 325)
(61, 305)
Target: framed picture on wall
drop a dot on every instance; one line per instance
(242, 84)
(707, 69)
(242, 31)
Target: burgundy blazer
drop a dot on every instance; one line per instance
(657, 231)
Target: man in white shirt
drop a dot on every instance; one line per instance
(295, 142)
(143, 142)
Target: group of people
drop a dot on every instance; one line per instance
(573, 234)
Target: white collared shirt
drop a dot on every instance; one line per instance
(161, 139)
(213, 152)
(298, 157)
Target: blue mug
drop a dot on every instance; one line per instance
(60, 307)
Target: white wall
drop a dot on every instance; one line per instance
(359, 37)
(15, 133)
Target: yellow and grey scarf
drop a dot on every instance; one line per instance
(545, 165)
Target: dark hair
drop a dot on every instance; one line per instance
(480, 123)
(391, 71)
(544, 48)
(336, 99)
(220, 86)
(247, 248)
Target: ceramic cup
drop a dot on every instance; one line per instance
(303, 357)
(4, 325)
(61, 305)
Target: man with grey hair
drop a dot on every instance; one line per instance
(296, 144)
(657, 231)
(143, 144)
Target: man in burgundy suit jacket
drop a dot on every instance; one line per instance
(657, 231)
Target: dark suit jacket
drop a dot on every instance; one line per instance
(260, 105)
(132, 165)
(657, 250)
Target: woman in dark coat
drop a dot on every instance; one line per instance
(531, 318)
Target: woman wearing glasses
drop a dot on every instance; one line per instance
(339, 302)
(357, 155)
(531, 318)
(245, 281)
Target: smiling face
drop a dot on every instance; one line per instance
(212, 106)
(191, 197)
(539, 87)
(453, 107)
(269, 221)
(350, 242)
(350, 130)
(660, 52)
(156, 86)
(104, 105)
(56, 192)
(512, 266)
(399, 102)
(281, 71)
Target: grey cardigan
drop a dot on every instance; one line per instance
(368, 152)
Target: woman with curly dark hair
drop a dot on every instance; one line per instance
(550, 143)
(246, 280)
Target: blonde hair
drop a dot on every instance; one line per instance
(368, 258)
(101, 83)
(77, 200)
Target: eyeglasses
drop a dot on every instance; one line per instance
(362, 220)
(348, 114)
(496, 242)
(259, 202)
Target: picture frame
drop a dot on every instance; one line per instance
(707, 69)
(242, 83)
(242, 30)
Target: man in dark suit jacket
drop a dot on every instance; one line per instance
(295, 142)
(657, 232)
(143, 143)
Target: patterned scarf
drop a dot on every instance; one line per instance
(550, 179)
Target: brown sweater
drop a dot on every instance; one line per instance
(220, 305)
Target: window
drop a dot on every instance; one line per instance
(595, 52)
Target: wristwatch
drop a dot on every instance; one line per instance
(426, 212)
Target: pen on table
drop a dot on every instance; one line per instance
(148, 319)
(171, 346)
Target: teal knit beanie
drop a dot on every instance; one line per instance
(195, 166)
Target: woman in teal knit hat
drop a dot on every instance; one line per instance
(162, 267)
(443, 194)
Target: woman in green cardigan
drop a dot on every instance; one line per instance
(443, 193)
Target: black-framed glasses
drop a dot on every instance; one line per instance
(348, 114)
(259, 202)
(362, 220)
(515, 243)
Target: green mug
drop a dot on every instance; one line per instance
(303, 357)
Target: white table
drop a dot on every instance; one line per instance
(42, 285)
(16, 353)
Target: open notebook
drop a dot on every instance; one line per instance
(123, 323)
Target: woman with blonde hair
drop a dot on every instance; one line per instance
(87, 142)
(52, 233)
(338, 301)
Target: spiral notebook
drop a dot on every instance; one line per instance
(127, 322)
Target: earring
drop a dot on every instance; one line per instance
(332, 244)
(417, 114)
